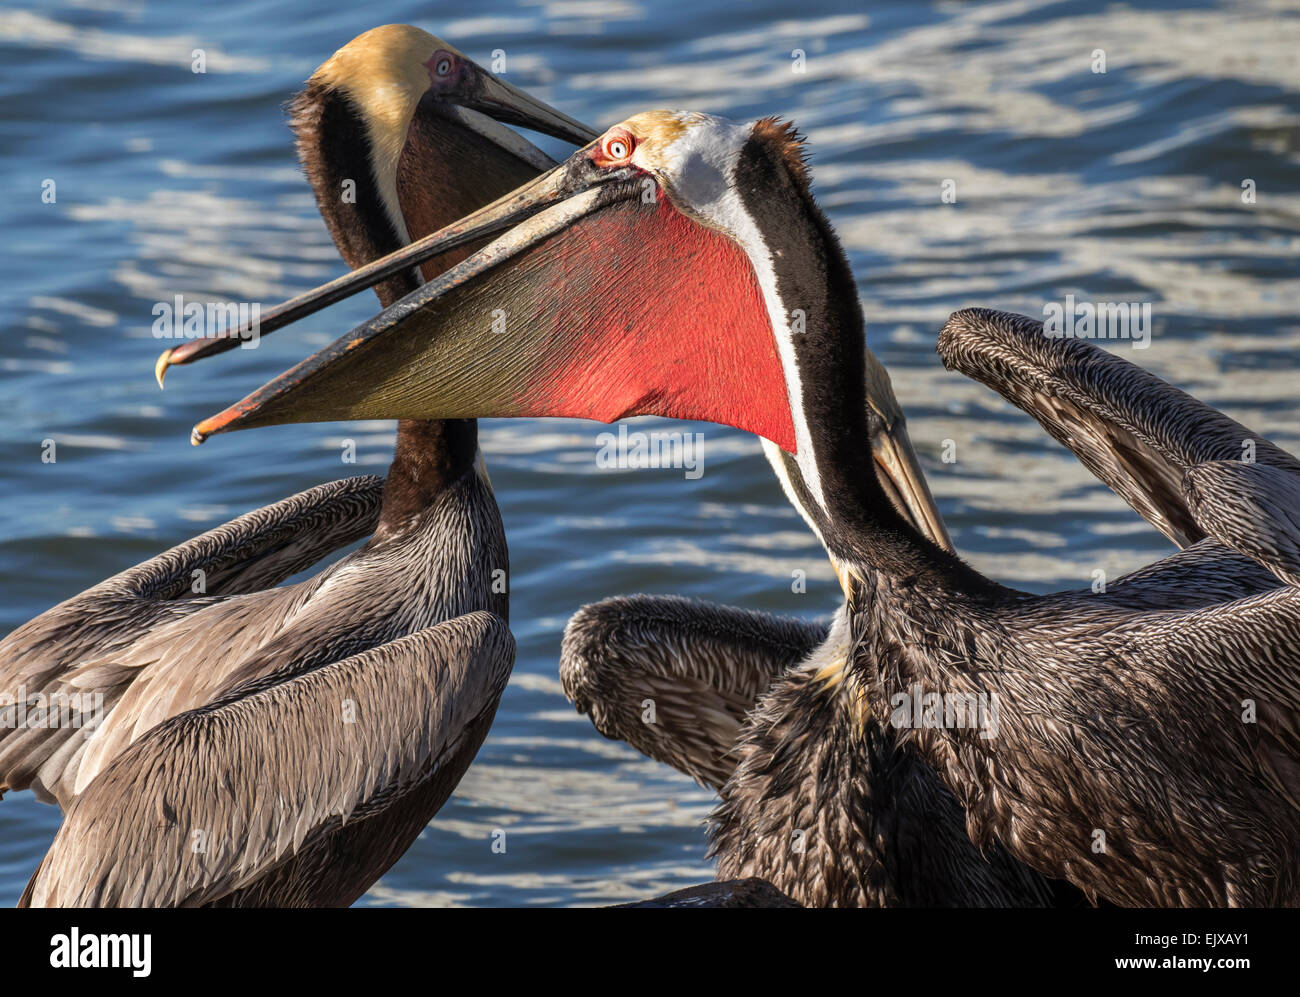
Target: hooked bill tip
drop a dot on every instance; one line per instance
(160, 367)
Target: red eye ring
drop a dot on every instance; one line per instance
(617, 147)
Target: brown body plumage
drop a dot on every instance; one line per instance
(817, 795)
(296, 740)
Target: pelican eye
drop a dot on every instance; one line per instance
(617, 147)
(441, 64)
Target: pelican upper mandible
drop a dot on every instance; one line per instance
(1147, 755)
(297, 739)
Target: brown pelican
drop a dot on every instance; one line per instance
(743, 705)
(288, 744)
(817, 796)
(1147, 755)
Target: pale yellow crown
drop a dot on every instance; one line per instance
(384, 73)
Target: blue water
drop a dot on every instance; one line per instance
(1117, 186)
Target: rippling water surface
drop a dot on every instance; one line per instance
(1122, 186)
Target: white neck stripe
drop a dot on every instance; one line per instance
(702, 169)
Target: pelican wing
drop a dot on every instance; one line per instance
(675, 677)
(213, 799)
(44, 662)
(1134, 431)
(1247, 651)
(1253, 509)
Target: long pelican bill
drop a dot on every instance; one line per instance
(310, 302)
(599, 298)
(508, 104)
(487, 95)
(453, 348)
(904, 482)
